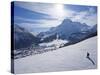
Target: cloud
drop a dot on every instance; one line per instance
(88, 16)
(42, 24)
(37, 7)
(18, 19)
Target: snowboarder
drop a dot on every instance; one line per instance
(88, 57)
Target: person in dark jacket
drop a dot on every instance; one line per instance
(88, 57)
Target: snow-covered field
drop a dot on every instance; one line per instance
(71, 57)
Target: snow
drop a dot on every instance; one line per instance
(71, 57)
(57, 42)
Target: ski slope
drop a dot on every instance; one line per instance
(71, 57)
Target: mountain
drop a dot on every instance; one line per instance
(94, 29)
(79, 36)
(23, 38)
(64, 30)
(68, 27)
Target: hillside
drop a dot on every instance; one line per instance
(71, 57)
(23, 38)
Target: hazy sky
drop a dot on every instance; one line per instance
(41, 16)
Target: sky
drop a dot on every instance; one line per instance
(37, 17)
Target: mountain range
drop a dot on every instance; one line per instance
(69, 30)
(73, 32)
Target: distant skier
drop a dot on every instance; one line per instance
(88, 57)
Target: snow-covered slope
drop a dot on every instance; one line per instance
(71, 57)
